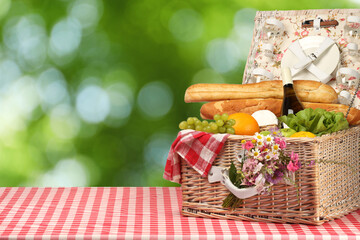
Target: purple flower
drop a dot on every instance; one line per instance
(275, 131)
(272, 165)
(276, 177)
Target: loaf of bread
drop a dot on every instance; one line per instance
(250, 106)
(307, 91)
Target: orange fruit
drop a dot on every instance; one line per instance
(245, 124)
(303, 134)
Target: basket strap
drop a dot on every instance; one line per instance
(352, 80)
(275, 22)
(317, 24)
(257, 72)
(220, 174)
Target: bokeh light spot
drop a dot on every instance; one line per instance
(17, 105)
(156, 150)
(223, 55)
(51, 87)
(25, 96)
(66, 173)
(121, 93)
(186, 25)
(64, 122)
(26, 38)
(87, 12)
(245, 16)
(9, 72)
(65, 38)
(121, 99)
(155, 99)
(93, 104)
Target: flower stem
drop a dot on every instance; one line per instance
(232, 202)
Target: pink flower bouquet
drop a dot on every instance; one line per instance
(264, 163)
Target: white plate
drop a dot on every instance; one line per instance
(327, 62)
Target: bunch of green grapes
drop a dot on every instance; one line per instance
(221, 124)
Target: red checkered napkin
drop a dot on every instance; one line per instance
(198, 149)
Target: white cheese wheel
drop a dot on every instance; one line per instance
(265, 118)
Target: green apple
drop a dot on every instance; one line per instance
(287, 132)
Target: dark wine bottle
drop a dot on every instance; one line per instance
(291, 104)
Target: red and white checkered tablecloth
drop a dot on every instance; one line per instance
(137, 213)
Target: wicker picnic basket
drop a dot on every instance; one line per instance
(324, 191)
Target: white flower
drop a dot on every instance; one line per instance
(258, 167)
(268, 157)
(275, 148)
(259, 138)
(255, 152)
(268, 139)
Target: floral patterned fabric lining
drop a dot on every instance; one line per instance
(292, 21)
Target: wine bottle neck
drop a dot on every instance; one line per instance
(286, 76)
(288, 85)
(287, 81)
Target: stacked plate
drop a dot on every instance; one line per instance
(327, 62)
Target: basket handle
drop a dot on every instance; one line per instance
(220, 174)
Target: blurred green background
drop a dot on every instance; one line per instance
(91, 92)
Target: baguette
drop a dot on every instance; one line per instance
(250, 106)
(307, 91)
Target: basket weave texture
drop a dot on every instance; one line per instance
(324, 191)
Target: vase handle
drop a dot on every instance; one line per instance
(220, 174)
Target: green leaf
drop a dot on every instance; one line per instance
(232, 173)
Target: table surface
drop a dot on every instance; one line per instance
(137, 212)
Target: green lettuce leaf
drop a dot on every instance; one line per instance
(318, 121)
